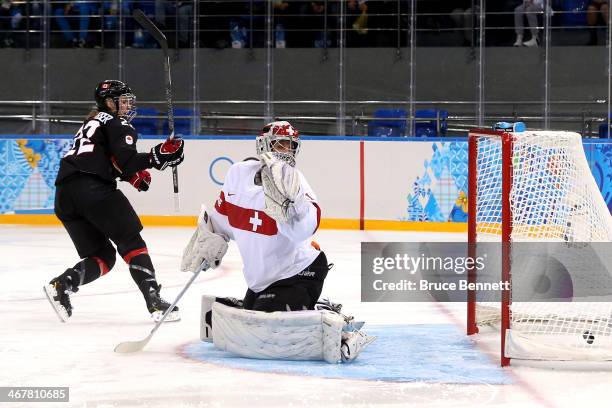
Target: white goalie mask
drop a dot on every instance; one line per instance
(281, 139)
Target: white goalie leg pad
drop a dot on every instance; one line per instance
(332, 324)
(206, 318)
(302, 335)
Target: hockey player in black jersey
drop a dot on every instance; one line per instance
(92, 209)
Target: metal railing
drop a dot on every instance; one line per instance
(193, 23)
(215, 118)
(408, 26)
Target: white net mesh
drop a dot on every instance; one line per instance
(553, 198)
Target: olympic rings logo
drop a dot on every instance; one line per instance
(212, 165)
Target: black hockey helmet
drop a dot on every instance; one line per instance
(114, 89)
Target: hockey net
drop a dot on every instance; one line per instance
(537, 187)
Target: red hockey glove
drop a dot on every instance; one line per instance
(141, 180)
(168, 153)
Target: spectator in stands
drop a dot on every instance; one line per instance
(281, 15)
(82, 8)
(111, 18)
(528, 9)
(10, 17)
(151, 8)
(595, 8)
(243, 15)
(434, 17)
(465, 19)
(356, 23)
(382, 22)
(182, 11)
(213, 22)
(37, 10)
(314, 24)
(61, 10)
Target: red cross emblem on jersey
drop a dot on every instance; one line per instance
(246, 219)
(255, 221)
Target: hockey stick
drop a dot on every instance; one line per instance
(152, 29)
(134, 346)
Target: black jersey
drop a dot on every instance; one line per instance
(104, 146)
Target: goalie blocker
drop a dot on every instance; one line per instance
(303, 335)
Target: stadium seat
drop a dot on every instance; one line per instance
(573, 12)
(604, 131)
(147, 126)
(388, 123)
(182, 122)
(392, 122)
(429, 128)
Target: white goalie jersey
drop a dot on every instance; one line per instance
(270, 251)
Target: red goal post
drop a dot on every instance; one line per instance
(504, 227)
(537, 187)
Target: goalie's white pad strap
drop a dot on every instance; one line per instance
(303, 335)
(206, 318)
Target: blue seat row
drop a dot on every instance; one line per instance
(604, 130)
(392, 123)
(157, 123)
(573, 12)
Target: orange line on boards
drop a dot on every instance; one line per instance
(190, 221)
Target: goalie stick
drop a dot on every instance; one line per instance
(152, 29)
(134, 346)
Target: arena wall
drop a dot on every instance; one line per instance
(386, 183)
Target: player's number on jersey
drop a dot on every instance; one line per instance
(82, 144)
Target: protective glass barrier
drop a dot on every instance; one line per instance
(331, 66)
(375, 34)
(446, 62)
(68, 91)
(511, 78)
(304, 62)
(23, 45)
(578, 79)
(230, 73)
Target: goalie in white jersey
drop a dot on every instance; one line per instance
(268, 208)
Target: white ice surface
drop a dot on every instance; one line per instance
(37, 350)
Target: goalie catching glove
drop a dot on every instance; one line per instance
(284, 198)
(204, 245)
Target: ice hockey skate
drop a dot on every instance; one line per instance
(350, 323)
(353, 343)
(58, 293)
(156, 305)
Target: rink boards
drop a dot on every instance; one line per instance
(367, 183)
